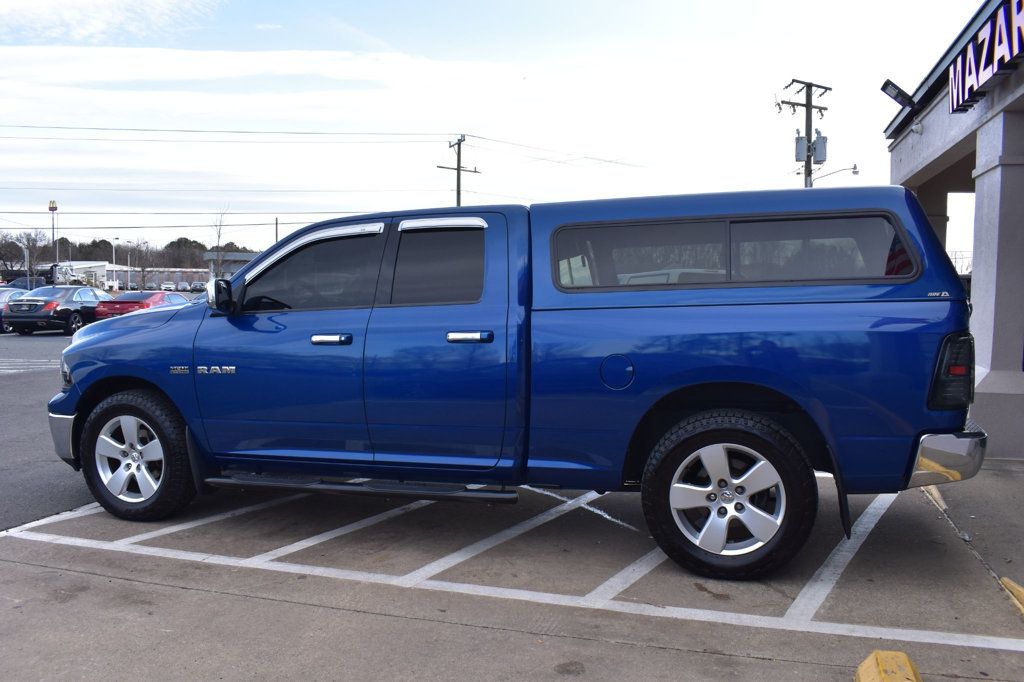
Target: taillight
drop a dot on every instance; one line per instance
(51, 305)
(953, 384)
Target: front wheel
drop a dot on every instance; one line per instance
(729, 494)
(135, 458)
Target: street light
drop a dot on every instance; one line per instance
(852, 168)
(113, 260)
(53, 237)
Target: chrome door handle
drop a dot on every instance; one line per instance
(470, 337)
(331, 339)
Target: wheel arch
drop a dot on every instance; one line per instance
(97, 392)
(757, 398)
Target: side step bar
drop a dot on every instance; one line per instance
(419, 490)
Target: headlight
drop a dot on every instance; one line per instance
(65, 371)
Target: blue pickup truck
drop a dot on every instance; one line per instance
(711, 352)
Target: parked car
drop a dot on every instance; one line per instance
(136, 300)
(198, 287)
(26, 284)
(8, 294)
(167, 286)
(709, 352)
(63, 307)
(183, 286)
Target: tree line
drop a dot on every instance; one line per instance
(180, 253)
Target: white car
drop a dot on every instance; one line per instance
(167, 286)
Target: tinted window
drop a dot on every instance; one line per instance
(336, 273)
(439, 266)
(642, 255)
(818, 249)
(134, 296)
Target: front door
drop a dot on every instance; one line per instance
(283, 378)
(436, 347)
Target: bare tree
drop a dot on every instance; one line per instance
(10, 252)
(144, 260)
(36, 242)
(218, 227)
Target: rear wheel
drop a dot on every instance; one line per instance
(74, 324)
(5, 328)
(729, 494)
(134, 456)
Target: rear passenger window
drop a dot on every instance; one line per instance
(818, 249)
(670, 254)
(642, 255)
(439, 266)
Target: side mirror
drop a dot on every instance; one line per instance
(218, 296)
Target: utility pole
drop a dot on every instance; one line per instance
(275, 229)
(53, 237)
(808, 104)
(458, 168)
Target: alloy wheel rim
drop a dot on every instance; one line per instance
(727, 499)
(76, 322)
(129, 459)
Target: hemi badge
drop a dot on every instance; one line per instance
(179, 369)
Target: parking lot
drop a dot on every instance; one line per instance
(562, 583)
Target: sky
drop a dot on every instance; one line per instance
(311, 109)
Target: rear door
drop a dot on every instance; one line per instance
(435, 365)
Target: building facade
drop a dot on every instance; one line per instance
(964, 132)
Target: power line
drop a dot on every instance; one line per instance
(222, 131)
(257, 190)
(268, 212)
(588, 157)
(201, 141)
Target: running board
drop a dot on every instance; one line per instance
(419, 490)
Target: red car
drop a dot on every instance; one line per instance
(136, 300)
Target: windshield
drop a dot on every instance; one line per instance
(48, 292)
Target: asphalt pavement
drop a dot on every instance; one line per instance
(33, 481)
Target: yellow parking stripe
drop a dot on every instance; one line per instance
(1015, 591)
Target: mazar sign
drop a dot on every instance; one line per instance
(992, 52)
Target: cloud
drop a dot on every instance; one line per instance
(90, 21)
(268, 27)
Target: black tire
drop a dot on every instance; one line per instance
(6, 328)
(74, 323)
(175, 488)
(792, 503)
(24, 331)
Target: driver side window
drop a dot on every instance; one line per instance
(334, 273)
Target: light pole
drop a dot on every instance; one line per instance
(113, 259)
(28, 269)
(53, 237)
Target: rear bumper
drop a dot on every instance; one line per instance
(61, 428)
(949, 457)
(39, 322)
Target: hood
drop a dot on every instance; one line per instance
(147, 318)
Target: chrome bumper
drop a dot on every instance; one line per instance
(61, 426)
(948, 457)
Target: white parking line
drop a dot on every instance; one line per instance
(814, 593)
(619, 582)
(338, 532)
(600, 512)
(784, 623)
(444, 563)
(86, 510)
(167, 530)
